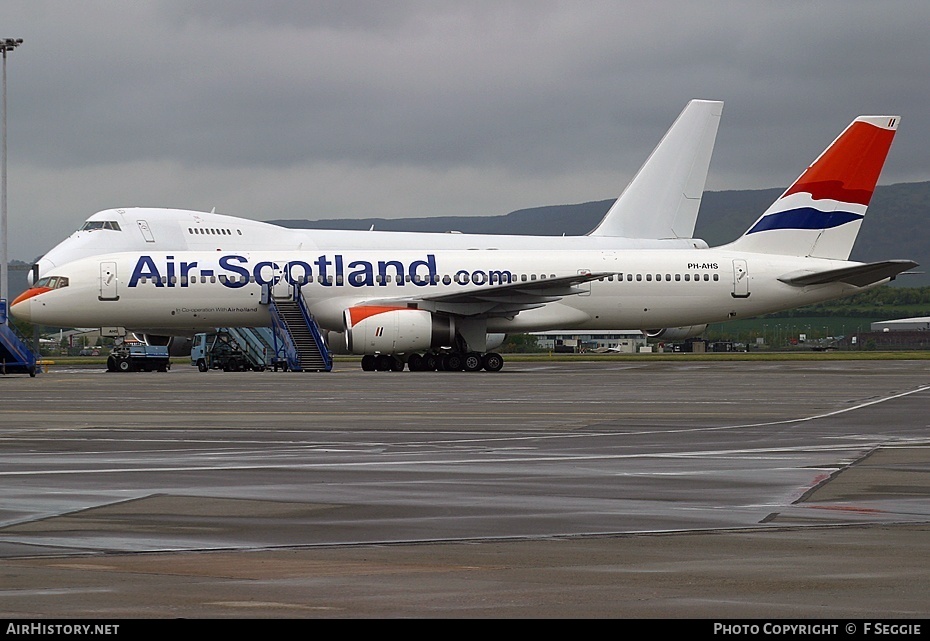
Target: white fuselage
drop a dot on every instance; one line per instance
(156, 229)
(177, 292)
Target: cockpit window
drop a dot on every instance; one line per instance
(91, 225)
(52, 282)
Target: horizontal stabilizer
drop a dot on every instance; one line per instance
(857, 275)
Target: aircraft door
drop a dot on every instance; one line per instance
(108, 281)
(740, 278)
(281, 287)
(146, 231)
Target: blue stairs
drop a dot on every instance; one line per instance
(16, 357)
(296, 335)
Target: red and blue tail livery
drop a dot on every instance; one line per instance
(820, 214)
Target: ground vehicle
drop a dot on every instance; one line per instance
(136, 358)
(222, 350)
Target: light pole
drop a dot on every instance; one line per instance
(6, 44)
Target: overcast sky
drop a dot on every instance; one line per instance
(303, 109)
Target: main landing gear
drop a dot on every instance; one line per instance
(434, 362)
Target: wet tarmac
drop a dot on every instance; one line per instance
(594, 489)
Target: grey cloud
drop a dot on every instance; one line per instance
(517, 99)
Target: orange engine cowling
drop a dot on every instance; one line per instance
(395, 330)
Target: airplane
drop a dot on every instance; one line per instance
(658, 208)
(434, 308)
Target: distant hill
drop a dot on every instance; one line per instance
(553, 220)
(895, 226)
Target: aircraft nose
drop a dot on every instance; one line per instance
(21, 307)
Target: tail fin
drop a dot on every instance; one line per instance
(663, 199)
(820, 214)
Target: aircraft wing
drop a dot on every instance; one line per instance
(857, 275)
(505, 299)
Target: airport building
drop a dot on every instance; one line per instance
(624, 341)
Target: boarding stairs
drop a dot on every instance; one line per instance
(16, 357)
(297, 336)
(256, 344)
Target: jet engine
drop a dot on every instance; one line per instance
(675, 333)
(177, 345)
(153, 339)
(494, 341)
(396, 330)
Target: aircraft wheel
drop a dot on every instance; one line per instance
(493, 362)
(432, 362)
(452, 362)
(472, 362)
(397, 365)
(415, 363)
(383, 362)
(368, 363)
